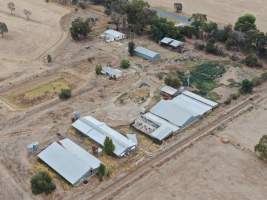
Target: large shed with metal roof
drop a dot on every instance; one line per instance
(70, 161)
(99, 131)
(146, 54)
(169, 116)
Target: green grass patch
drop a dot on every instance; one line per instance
(203, 77)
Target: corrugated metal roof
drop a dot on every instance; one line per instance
(69, 160)
(176, 43)
(199, 98)
(165, 128)
(172, 112)
(113, 33)
(98, 131)
(111, 71)
(193, 106)
(146, 52)
(166, 40)
(169, 90)
(183, 108)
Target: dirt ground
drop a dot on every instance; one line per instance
(219, 172)
(117, 103)
(224, 12)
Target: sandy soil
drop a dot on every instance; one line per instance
(222, 11)
(222, 172)
(247, 131)
(29, 41)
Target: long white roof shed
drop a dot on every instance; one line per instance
(99, 131)
(147, 54)
(169, 116)
(183, 109)
(70, 161)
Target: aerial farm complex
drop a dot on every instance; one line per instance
(136, 99)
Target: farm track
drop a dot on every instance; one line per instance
(111, 190)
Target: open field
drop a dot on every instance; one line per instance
(224, 12)
(219, 172)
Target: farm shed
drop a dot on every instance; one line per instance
(111, 72)
(146, 54)
(111, 35)
(171, 42)
(168, 92)
(169, 116)
(70, 161)
(99, 131)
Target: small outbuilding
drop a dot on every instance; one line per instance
(111, 35)
(171, 43)
(146, 54)
(168, 92)
(111, 72)
(70, 161)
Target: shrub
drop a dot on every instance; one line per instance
(101, 171)
(42, 183)
(98, 69)
(131, 47)
(172, 81)
(65, 93)
(109, 147)
(125, 64)
(49, 58)
(261, 148)
(199, 46)
(246, 87)
(251, 60)
(212, 48)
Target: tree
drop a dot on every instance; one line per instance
(172, 81)
(199, 20)
(101, 172)
(131, 48)
(161, 27)
(27, 13)
(42, 183)
(139, 15)
(246, 23)
(65, 93)
(246, 87)
(109, 147)
(98, 69)
(261, 148)
(178, 7)
(11, 7)
(125, 64)
(81, 28)
(3, 28)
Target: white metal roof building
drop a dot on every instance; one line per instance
(169, 116)
(171, 42)
(111, 35)
(98, 131)
(111, 72)
(70, 161)
(169, 90)
(147, 54)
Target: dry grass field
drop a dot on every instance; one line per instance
(222, 11)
